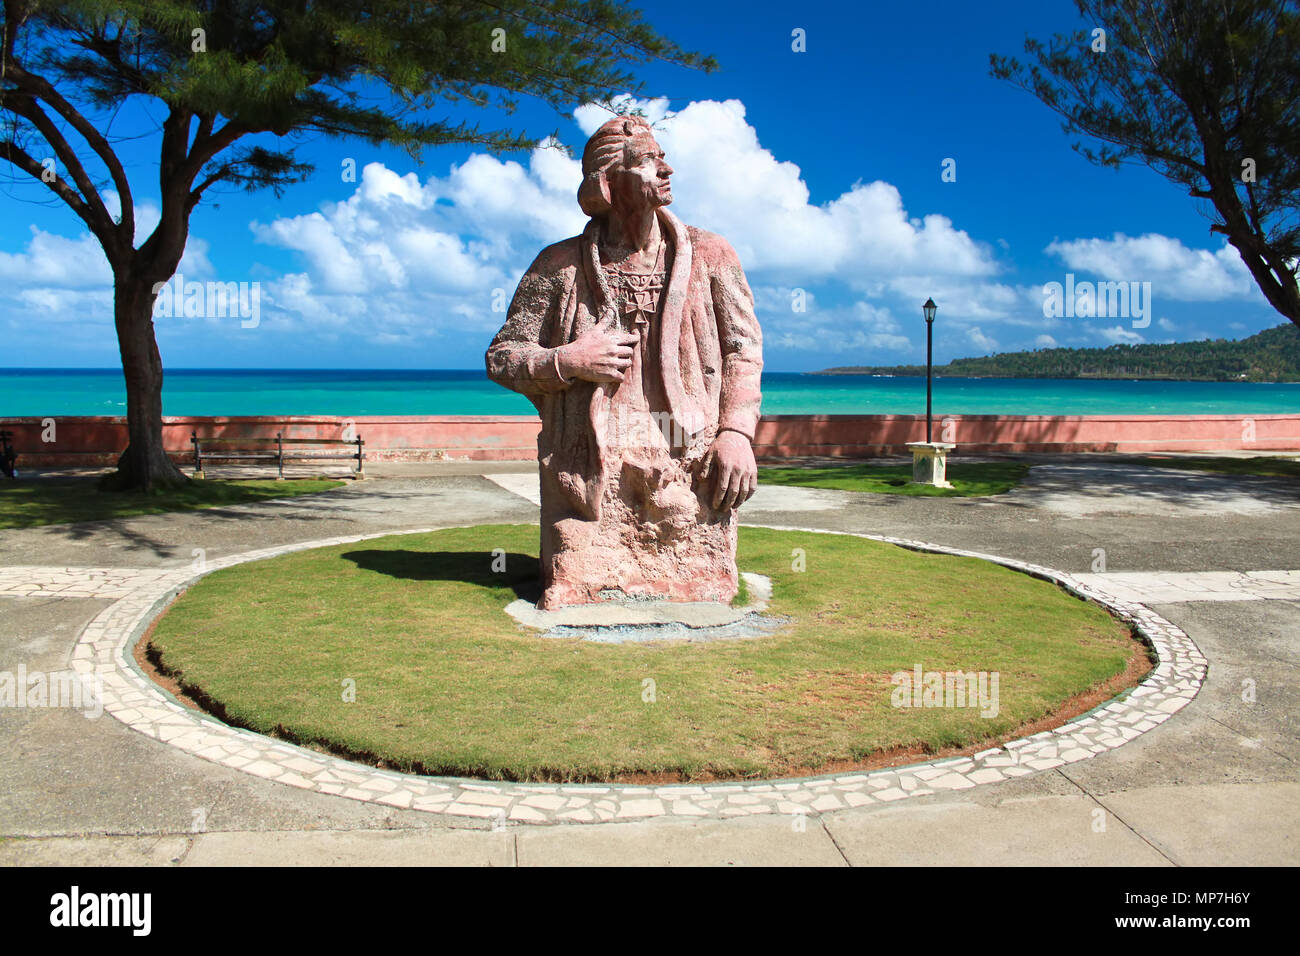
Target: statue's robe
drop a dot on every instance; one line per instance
(617, 518)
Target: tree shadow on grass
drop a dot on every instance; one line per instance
(519, 572)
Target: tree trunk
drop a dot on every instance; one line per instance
(1264, 264)
(144, 466)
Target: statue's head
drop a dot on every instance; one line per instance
(623, 167)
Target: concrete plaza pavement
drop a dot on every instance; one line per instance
(1216, 784)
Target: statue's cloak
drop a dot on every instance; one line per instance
(710, 351)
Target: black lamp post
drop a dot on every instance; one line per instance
(929, 309)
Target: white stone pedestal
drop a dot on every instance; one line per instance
(930, 463)
(634, 620)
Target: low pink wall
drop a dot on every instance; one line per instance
(866, 435)
(99, 440)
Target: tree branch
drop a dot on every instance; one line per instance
(197, 193)
(93, 204)
(19, 157)
(40, 88)
(207, 146)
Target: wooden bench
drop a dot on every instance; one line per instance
(273, 449)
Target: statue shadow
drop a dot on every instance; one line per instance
(519, 572)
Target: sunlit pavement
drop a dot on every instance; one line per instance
(1217, 783)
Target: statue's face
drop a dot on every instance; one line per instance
(641, 181)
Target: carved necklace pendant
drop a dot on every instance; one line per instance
(637, 292)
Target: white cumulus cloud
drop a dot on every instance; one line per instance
(726, 182)
(1118, 335)
(977, 338)
(1174, 270)
(443, 248)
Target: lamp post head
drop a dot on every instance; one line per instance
(929, 309)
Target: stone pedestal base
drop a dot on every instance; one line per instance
(630, 621)
(930, 463)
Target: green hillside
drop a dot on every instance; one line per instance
(1269, 356)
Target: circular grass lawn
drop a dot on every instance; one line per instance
(397, 650)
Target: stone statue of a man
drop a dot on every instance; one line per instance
(638, 344)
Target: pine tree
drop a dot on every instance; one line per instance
(1206, 93)
(226, 71)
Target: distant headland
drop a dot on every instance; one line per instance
(1269, 356)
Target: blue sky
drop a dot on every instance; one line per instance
(823, 168)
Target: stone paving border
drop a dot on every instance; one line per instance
(104, 649)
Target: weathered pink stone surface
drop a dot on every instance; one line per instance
(638, 344)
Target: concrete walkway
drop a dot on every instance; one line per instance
(1217, 783)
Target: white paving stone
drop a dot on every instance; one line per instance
(524, 814)
(641, 808)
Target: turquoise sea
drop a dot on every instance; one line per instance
(343, 392)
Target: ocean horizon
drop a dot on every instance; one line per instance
(26, 392)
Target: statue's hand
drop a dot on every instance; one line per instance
(730, 459)
(597, 355)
